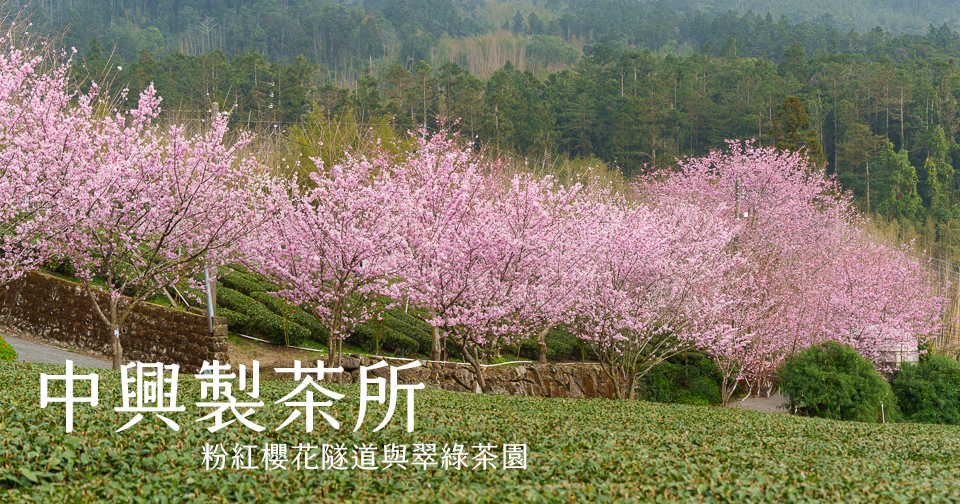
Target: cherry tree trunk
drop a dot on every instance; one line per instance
(117, 349)
(435, 350)
(542, 343)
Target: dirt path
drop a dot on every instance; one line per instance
(246, 351)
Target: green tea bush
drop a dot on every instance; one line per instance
(7, 353)
(236, 321)
(62, 266)
(239, 282)
(832, 380)
(409, 326)
(260, 280)
(285, 309)
(561, 346)
(929, 392)
(579, 450)
(365, 336)
(262, 320)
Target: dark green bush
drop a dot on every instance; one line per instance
(260, 280)
(365, 336)
(7, 353)
(236, 301)
(62, 266)
(690, 378)
(236, 321)
(285, 309)
(411, 327)
(262, 320)
(929, 392)
(832, 380)
(240, 283)
(561, 346)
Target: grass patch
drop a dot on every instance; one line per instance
(579, 450)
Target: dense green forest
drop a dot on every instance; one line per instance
(343, 37)
(631, 85)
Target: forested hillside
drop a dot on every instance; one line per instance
(632, 85)
(341, 36)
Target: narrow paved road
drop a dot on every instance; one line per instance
(30, 351)
(773, 404)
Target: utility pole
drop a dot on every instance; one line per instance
(210, 272)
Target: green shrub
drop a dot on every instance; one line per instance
(286, 309)
(833, 381)
(266, 285)
(7, 353)
(236, 301)
(365, 336)
(278, 330)
(690, 378)
(236, 321)
(411, 327)
(240, 283)
(561, 346)
(929, 392)
(262, 320)
(401, 331)
(62, 266)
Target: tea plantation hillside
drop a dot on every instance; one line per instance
(245, 299)
(578, 451)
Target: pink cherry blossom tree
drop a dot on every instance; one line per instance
(38, 144)
(150, 207)
(653, 287)
(782, 213)
(538, 257)
(883, 299)
(451, 233)
(334, 247)
(800, 254)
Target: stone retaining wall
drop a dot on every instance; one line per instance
(576, 380)
(50, 308)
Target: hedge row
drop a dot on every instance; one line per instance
(411, 327)
(690, 378)
(239, 282)
(261, 320)
(286, 309)
(235, 320)
(392, 341)
(402, 331)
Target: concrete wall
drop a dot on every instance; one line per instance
(50, 308)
